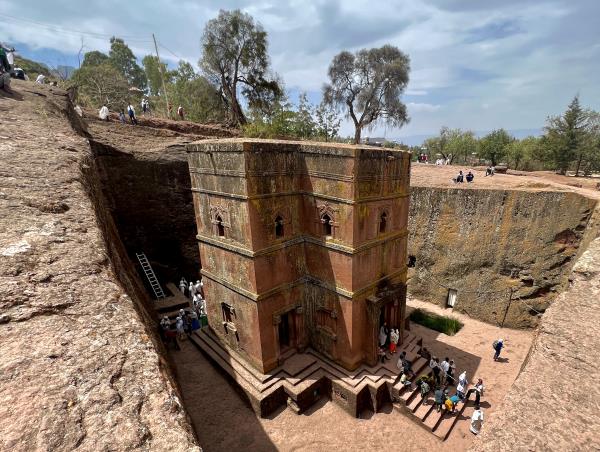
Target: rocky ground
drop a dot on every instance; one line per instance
(79, 368)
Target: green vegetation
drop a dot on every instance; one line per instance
(31, 68)
(441, 323)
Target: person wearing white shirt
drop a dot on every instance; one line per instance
(476, 420)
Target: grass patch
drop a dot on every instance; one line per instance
(441, 323)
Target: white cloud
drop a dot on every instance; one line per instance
(422, 107)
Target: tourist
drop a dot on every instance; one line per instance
(400, 363)
(131, 112)
(191, 290)
(41, 79)
(179, 327)
(435, 367)
(144, 106)
(182, 285)
(394, 337)
(470, 177)
(450, 372)
(438, 398)
(498, 348)
(5, 69)
(382, 355)
(180, 112)
(194, 323)
(461, 387)
(164, 325)
(404, 380)
(103, 114)
(445, 366)
(199, 287)
(459, 179)
(122, 116)
(476, 420)
(449, 403)
(383, 335)
(478, 391)
(424, 391)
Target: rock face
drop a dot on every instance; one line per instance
(553, 404)
(483, 243)
(81, 365)
(148, 194)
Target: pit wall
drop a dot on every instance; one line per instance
(149, 197)
(486, 244)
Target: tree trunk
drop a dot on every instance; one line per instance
(578, 164)
(357, 132)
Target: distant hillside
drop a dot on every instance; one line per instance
(31, 67)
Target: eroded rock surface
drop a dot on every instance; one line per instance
(80, 368)
(553, 405)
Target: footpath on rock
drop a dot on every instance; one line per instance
(81, 368)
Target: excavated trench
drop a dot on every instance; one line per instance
(505, 253)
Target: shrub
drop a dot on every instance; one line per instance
(441, 323)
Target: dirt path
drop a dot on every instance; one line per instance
(224, 422)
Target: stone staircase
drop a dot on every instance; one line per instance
(306, 377)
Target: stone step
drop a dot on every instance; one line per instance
(416, 402)
(424, 409)
(447, 424)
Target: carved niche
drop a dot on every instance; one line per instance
(326, 219)
(219, 218)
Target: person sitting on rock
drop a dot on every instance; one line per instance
(470, 177)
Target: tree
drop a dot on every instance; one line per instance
(462, 143)
(234, 55)
(98, 85)
(123, 59)
(303, 123)
(327, 122)
(565, 137)
(152, 68)
(369, 84)
(523, 153)
(439, 144)
(494, 145)
(94, 58)
(195, 94)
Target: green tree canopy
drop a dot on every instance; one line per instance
(198, 97)
(98, 85)
(368, 85)
(327, 122)
(565, 137)
(234, 55)
(123, 59)
(494, 145)
(152, 68)
(94, 58)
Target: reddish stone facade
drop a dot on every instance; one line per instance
(302, 244)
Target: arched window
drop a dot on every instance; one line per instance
(383, 222)
(278, 226)
(220, 227)
(326, 220)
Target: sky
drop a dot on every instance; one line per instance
(475, 64)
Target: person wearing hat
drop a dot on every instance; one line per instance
(498, 348)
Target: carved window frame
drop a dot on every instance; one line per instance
(327, 209)
(388, 219)
(222, 213)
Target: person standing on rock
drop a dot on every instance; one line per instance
(435, 367)
(180, 112)
(498, 348)
(450, 373)
(182, 285)
(179, 327)
(438, 398)
(131, 112)
(103, 114)
(478, 391)
(191, 290)
(394, 337)
(383, 335)
(476, 420)
(461, 387)
(444, 366)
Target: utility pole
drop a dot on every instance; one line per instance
(507, 307)
(162, 77)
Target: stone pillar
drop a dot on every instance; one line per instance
(372, 336)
